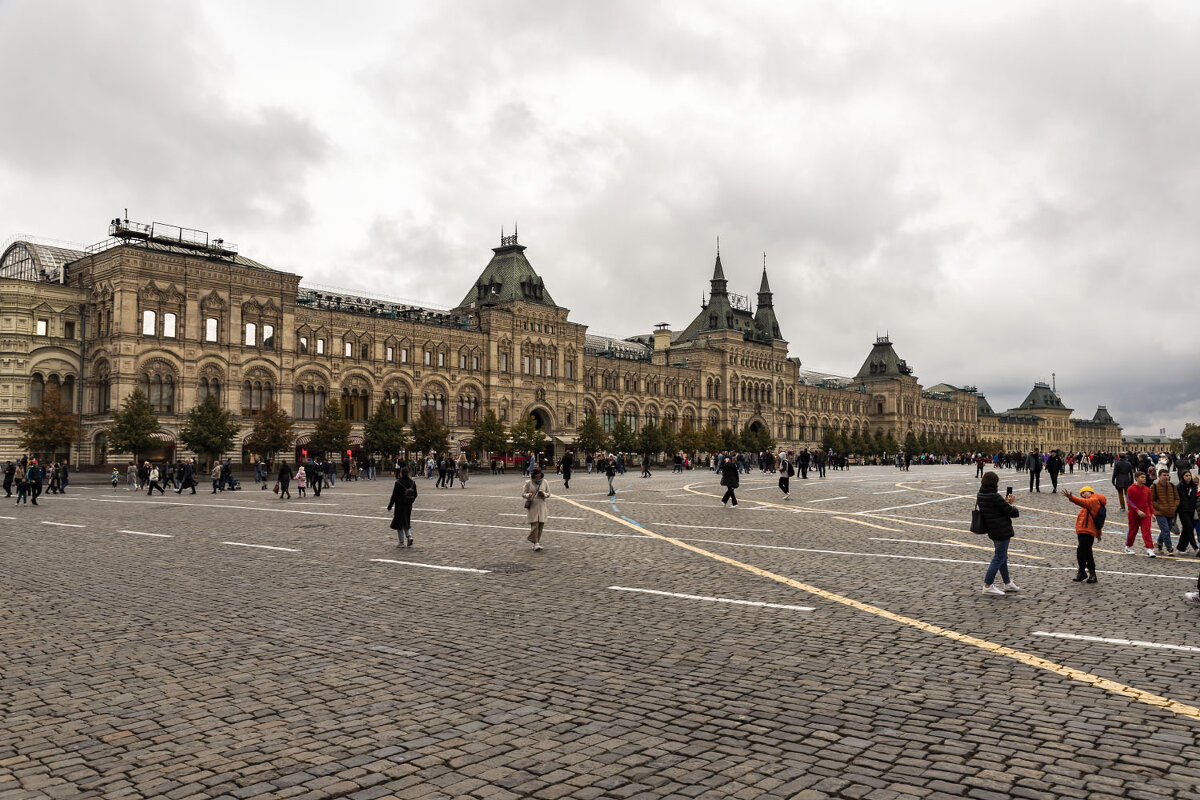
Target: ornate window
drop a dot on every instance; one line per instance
(257, 391)
(356, 402)
(261, 322)
(608, 417)
(308, 398)
(157, 381)
(37, 390)
(149, 323)
(209, 385)
(468, 409)
(169, 321)
(103, 388)
(397, 400)
(435, 401)
(210, 329)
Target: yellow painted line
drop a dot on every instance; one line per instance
(971, 497)
(789, 507)
(1028, 659)
(869, 524)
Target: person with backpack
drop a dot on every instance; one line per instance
(1165, 499)
(404, 494)
(786, 471)
(1088, 525)
(997, 513)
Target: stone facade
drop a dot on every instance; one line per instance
(180, 316)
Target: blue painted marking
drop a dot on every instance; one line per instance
(632, 521)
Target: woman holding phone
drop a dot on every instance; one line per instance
(998, 513)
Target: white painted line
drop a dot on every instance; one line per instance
(521, 515)
(263, 547)
(430, 566)
(7, 517)
(63, 524)
(827, 499)
(143, 533)
(912, 505)
(893, 491)
(711, 527)
(915, 541)
(713, 599)
(1129, 642)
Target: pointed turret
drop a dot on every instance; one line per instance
(718, 283)
(883, 362)
(508, 277)
(764, 317)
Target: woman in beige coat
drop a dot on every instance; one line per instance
(535, 493)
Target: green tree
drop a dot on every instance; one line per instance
(624, 440)
(488, 435)
(331, 434)
(757, 440)
(51, 427)
(690, 440)
(429, 435)
(911, 445)
(1191, 438)
(527, 436)
(713, 441)
(591, 437)
(890, 445)
(652, 439)
(209, 430)
(272, 432)
(383, 432)
(828, 441)
(133, 427)
(730, 441)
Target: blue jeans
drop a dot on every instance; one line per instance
(1164, 530)
(999, 562)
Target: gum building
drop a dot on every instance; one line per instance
(182, 316)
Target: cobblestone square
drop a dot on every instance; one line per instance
(661, 646)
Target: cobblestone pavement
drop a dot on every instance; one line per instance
(154, 647)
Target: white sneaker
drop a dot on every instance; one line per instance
(1150, 552)
(1192, 597)
(1129, 551)
(787, 497)
(993, 589)
(1011, 587)
(537, 547)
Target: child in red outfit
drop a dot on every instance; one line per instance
(1141, 511)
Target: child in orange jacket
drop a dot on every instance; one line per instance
(1086, 530)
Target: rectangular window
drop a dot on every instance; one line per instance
(504, 362)
(428, 358)
(570, 368)
(43, 327)
(403, 355)
(303, 345)
(462, 361)
(149, 328)
(349, 349)
(525, 364)
(549, 367)
(169, 325)
(210, 329)
(251, 334)
(320, 347)
(441, 359)
(537, 366)
(475, 363)
(365, 350)
(69, 329)
(268, 336)
(389, 354)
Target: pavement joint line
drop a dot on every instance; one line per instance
(143, 533)
(868, 524)
(262, 546)
(990, 549)
(911, 505)
(63, 524)
(729, 600)
(714, 527)
(1129, 642)
(895, 491)
(431, 566)
(578, 519)
(1028, 659)
(828, 499)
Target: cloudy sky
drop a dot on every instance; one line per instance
(1010, 190)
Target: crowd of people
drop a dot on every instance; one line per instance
(27, 477)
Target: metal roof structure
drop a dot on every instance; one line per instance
(29, 260)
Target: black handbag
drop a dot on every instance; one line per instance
(977, 525)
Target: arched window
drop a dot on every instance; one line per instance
(435, 401)
(68, 393)
(256, 394)
(149, 320)
(210, 329)
(608, 418)
(37, 390)
(397, 400)
(169, 325)
(631, 418)
(159, 388)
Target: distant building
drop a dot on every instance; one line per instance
(183, 316)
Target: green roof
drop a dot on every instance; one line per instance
(508, 277)
(883, 362)
(1042, 396)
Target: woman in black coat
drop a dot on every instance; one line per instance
(404, 494)
(285, 480)
(729, 479)
(1122, 478)
(998, 512)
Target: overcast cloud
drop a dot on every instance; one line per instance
(1010, 190)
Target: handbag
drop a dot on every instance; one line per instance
(529, 503)
(275, 488)
(977, 525)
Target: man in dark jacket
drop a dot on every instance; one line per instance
(1054, 466)
(1122, 478)
(1033, 463)
(568, 462)
(285, 480)
(729, 479)
(10, 470)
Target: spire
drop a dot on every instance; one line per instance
(719, 284)
(764, 287)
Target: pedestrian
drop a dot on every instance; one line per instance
(316, 477)
(188, 477)
(610, 472)
(567, 463)
(1054, 465)
(645, 465)
(153, 481)
(132, 472)
(301, 480)
(22, 486)
(404, 494)
(1141, 509)
(1122, 478)
(216, 476)
(1088, 524)
(285, 480)
(10, 471)
(1033, 463)
(535, 491)
(36, 474)
(1165, 499)
(1187, 512)
(785, 476)
(463, 471)
(729, 479)
(998, 512)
